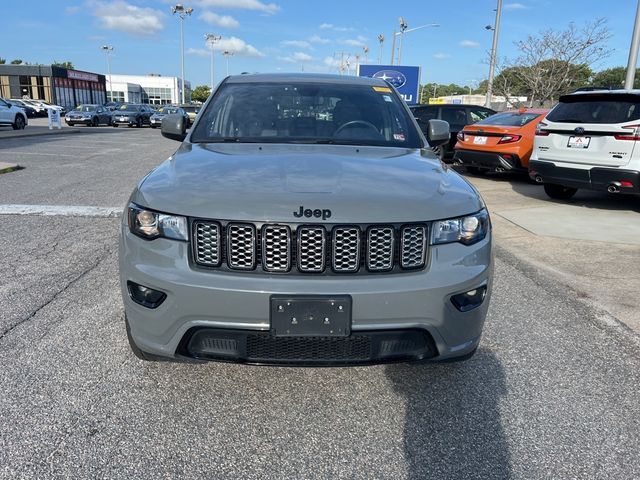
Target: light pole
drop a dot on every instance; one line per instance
(365, 50)
(494, 48)
(212, 39)
(381, 40)
(182, 12)
(107, 49)
(227, 54)
(633, 52)
(403, 30)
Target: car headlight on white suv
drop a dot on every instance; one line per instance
(150, 225)
(467, 230)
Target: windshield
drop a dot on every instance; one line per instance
(131, 108)
(509, 119)
(167, 110)
(86, 108)
(595, 109)
(191, 109)
(307, 113)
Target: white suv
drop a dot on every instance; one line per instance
(588, 141)
(12, 115)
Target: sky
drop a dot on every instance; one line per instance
(293, 35)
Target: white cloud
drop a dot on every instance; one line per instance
(296, 43)
(241, 4)
(297, 57)
(331, 26)
(359, 41)
(224, 21)
(441, 56)
(238, 47)
(332, 62)
(318, 39)
(119, 15)
(515, 6)
(469, 44)
(200, 52)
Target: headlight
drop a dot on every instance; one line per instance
(150, 225)
(467, 230)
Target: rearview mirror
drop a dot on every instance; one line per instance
(173, 127)
(438, 132)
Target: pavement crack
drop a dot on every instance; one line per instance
(55, 296)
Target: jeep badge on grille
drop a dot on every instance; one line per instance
(325, 213)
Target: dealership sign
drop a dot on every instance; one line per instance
(76, 75)
(404, 78)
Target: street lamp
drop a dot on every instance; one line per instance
(182, 12)
(381, 40)
(107, 49)
(212, 39)
(494, 48)
(227, 54)
(404, 29)
(365, 50)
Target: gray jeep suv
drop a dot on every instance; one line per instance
(304, 220)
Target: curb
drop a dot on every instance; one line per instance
(62, 131)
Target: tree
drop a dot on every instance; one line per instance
(68, 65)
(17, 61)
(201, 93)
(613, 78)
(557, 62)
(3, 61)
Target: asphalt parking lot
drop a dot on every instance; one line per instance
(551, 393)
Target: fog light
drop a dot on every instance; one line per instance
(469, 300)
(145, 296)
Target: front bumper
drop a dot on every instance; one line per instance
(596, 178)
(130, 121)
(415, 305)
(77, 121)
(488, 160)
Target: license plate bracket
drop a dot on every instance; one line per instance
(578, 142)
(310, 315)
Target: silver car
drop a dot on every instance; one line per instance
(304, 220)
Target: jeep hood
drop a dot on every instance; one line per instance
(268, 182)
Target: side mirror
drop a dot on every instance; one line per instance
(173, 127)
(438, 132)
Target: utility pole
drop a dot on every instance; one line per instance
(633, 52)
(494, 48)
(403, 28)
(107, 49)
(393, 47)
(381, 40)
(211, 40)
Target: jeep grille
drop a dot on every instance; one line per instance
(337, 249)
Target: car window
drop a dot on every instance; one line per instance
(477, 114)
(510, 119)
(307, 113)
(455, 116)
(593, 108)
(3, 103)
(424, 114)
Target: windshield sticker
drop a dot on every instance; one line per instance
(382, 89)
(387, 98)
(398, 136)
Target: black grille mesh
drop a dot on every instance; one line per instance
(263, 347)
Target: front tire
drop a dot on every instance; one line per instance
(139, 123)
(559, 192)
(18, 123)
(94, 122)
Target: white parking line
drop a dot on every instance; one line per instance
(61, 210)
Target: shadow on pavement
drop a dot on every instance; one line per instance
(452, 426)
(80, 132)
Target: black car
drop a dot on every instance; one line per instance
(456, 115)
(89, 115)
(132, 115)
(28, 109)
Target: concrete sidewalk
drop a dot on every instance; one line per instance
(590, 243)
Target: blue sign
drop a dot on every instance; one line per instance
(404, 78)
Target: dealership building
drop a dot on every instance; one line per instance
(56, 85)
(153, 88)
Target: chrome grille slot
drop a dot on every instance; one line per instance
(413, 247)
(207, 239)
(241, 246)
(276, 248)
(312, 246)
(380, 242)
(346, 249)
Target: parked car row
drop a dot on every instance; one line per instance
(41, 107)
(587, 141)
(129, 114)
